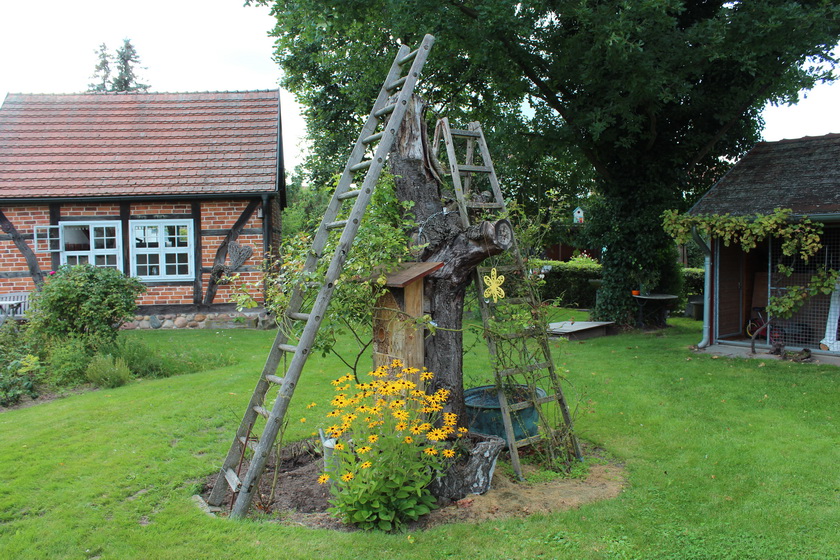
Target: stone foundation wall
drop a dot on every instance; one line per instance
(225, 320)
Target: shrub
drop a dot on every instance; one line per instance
(67, 361)
(141, 360)
(693, 281)
(573, 283)
(386, 448)
(105, 371)
(18, 378)
(86, 301)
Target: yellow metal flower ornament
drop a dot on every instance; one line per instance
(494, 286)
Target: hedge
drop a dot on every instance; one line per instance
(575, 284)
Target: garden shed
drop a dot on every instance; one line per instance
(804, 176)
(177, 189)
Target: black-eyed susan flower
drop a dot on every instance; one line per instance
(366, 465)
(448, 453)
(347, 477)
(324, 478)
(430, 451)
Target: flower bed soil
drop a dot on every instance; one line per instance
(300, 500)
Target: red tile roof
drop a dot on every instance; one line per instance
(138, 144)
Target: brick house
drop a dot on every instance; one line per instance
(177, 189)
(803, 175)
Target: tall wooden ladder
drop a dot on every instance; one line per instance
(367, 159)
(518, 343)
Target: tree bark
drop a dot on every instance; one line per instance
(461, 249)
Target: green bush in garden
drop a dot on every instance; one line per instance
(107, 372)
(84, 301)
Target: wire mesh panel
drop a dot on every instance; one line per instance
(810, 326)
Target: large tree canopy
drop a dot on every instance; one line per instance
(647, 97)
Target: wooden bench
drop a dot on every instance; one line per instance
(13, 306)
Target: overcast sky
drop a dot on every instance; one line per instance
(48, 46)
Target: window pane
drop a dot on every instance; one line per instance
(177, 264)
(77, 238)
(107, 261)
(176, 236)
(148, 265)
(77, 259)
(105, 237)
(146, 237)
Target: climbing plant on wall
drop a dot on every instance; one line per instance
(800, 238)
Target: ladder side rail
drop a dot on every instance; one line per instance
(455, 173)
(356, 156)
(281, 403)
(313, 257)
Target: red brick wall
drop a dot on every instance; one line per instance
(221, 215)
(215, 215)
(24, 219)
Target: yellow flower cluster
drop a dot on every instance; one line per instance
(389, 408)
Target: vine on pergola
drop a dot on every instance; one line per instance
(800, 238)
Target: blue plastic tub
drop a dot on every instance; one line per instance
(484, 414)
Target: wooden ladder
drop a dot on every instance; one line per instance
(521, 356)
(376, 138)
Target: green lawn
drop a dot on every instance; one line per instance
(734, 459)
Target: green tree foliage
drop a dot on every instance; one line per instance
(638, 101)
(102, 71)
(125, 60)
(84, 301)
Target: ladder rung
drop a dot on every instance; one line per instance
(349, 194)
(474, 169)
(262, 411)
(361, 165)
(337, 225)
(387, 109)
(528, 441)
(526, 369)
(373, 138)
(485, 205)
(298, 316)
(251, 443)
(529, 403)
(464, 133)
(396, 84)
(290, 348)
(408, 58)
(233, 480)
(274, 379)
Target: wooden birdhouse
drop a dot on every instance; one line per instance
(578, 215)
(396, 334)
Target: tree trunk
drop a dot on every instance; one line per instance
(461, 249)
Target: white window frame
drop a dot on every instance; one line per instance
(92, 251)
(162, 250)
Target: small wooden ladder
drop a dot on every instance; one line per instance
(521, 356)
(377, 138)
